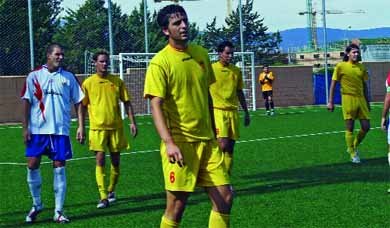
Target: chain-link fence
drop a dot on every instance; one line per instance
(28, 26)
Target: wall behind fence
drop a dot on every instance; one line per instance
(293, 86)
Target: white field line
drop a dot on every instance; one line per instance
(241, 141)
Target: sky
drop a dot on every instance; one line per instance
(278, 15)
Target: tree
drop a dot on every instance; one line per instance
(156, 38)
(256, 37)
(14, 33)
(86, 29)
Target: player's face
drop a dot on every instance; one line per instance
(265, 69)
(102, 64)
(226, 56)
(55, 58)
(353, 55)
(177, 29)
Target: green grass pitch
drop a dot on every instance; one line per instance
(290, 170)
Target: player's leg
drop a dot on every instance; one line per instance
(365, 127)
(34, 150)
(59, 185)
(221, 198)
(350, 110)
(364, 118)
(266, 102)
(271, 102)
(100, 179)
(34, 181)
(176, 202)
(349, 137)
(214, 177)
(114, 175)
(116, 143)
(61, 151)
(97, 144)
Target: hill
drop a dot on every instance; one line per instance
(298, 37)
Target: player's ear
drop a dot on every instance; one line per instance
(165, 31)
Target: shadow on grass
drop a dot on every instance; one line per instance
(370, 170)
(88, 210)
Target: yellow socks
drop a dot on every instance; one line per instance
(349, 141)
(219, 220)
(114, 176)
(100, 182)
(167, 223)
(228, 158)
(359, 138)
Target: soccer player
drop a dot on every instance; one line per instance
(103, 94)
(226, 92)
(177, 84)
(266, 78)
(385, 118)
(354, 98)
(48, 95)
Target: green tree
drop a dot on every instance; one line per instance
(86, 29)
(256, 37)
(156, 38)
(14, 33)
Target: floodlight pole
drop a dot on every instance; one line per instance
(111, 42)
(241, 38)
(146, 26)
(325, 50)
(30, 29)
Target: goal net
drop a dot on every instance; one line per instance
(132, 70)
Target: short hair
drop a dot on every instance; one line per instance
(348, 50)
(165, 13)
(100, 52)
(50, 48)
(265, 66)
(223, 44)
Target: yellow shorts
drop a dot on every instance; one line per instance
(113, 140)
(227, 123)
(354, 107)
(203, 167)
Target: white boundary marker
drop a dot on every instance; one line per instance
(240, 141)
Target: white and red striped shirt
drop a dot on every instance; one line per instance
(51, 95)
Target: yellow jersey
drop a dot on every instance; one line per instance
(103, 96)
(182, 80)
(224, 90)
(351, 77)
(266, 84)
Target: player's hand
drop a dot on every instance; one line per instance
(174, 154)
(133, 130)
(80, 135)
(384, 123)
(330, 106)
(26, 136)
(247, 119)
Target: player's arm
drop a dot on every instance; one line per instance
(385, 111)
(365, 91)
(26, 120)
(241, 99)
(261, 79)
(173, 152)
(331, 95)
(80, 135)
(130, 114)
(211, 110)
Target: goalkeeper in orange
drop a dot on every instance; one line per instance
(226, 93)
(352, 76)
(266, 79)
